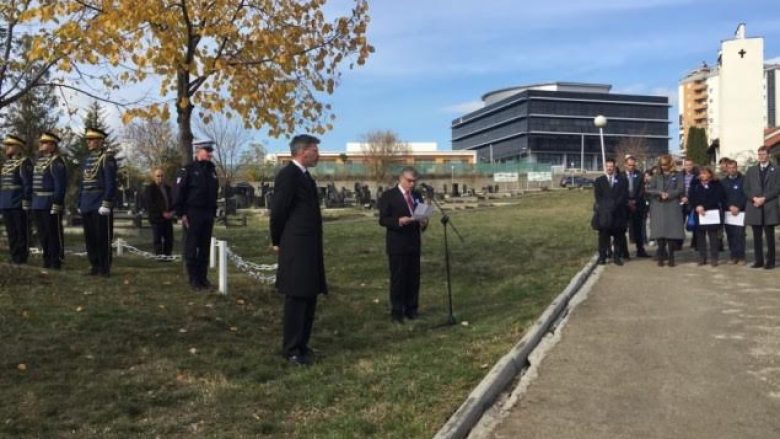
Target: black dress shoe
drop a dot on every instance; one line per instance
(618, 261)
(299, 360)
(769, 266)
(642, 254)
(757, 265)
(397, 319)
(602, 261)
(411, 315)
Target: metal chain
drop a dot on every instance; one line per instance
(145, 254)
(251, 269)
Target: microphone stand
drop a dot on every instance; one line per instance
(445, 220)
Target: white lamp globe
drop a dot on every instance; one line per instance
(600, 121)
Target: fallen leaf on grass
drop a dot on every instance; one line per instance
(233, 328)
(240, 301)
(166, 283)
(376, 300)
(25, 314)
(127, 281)
(193, 351)
(21, 366)
(79, 308)
(183, 330)
(161, 306)
(464, 323)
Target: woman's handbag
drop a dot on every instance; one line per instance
(692, 222)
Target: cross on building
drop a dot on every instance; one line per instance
(742, 53)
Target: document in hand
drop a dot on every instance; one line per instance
(422, 211)
(735, 220)
(709, 217)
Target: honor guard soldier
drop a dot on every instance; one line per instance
(195, 202)
(15, 197)
(49, 182)
(96, 201)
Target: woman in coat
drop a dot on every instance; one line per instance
(666, 221)
(708, 194)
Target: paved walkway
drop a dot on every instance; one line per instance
(684, 352)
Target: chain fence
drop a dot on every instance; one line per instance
(251, 269)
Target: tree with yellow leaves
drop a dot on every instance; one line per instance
(269, 62)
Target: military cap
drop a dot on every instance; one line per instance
(10, 139)
(95, 133)
(48, 136)
(208, 145)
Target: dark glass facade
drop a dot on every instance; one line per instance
(770, 96)
(551, 126)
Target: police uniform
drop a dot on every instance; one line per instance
(49, 183)
(96, 203)
(195, 196)
(15, 197)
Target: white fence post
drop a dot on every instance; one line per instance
(223, 267)
(119, 247)
(213, 253)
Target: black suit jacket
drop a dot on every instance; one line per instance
(296, 227)
(610, 209)
(155, 202)
(399, 239)
(638, 194)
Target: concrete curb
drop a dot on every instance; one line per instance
(510, 365)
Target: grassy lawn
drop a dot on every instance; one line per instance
(140, 355)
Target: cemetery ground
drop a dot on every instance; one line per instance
(140, 354)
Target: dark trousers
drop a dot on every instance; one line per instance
(297, 322)
(704, 235)
(197, 245)
(17, 229)
(404, 283)
(98, 232)
(618, 236)
(736, 238)
(636, 232)
(162, 234)
(758, 244)
(50, 234)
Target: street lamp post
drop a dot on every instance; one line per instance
(452, 178)
(600, 122)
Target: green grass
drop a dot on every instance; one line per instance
(140, 355)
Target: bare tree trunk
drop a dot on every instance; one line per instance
(184, 117)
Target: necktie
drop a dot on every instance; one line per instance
(611, 181)
(631, 183)
(409, 202)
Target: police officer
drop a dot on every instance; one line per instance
(49, 184)
(195, 202)
(96, 201)
(15, 195)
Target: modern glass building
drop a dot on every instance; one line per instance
(553, 124)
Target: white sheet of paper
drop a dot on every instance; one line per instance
(735, 220)
(422, 211)
(710, 217)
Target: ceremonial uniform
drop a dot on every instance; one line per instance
(48, 198)
(195, 196)
(96, 203)
(15, 198)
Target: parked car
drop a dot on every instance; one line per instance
(576, 181)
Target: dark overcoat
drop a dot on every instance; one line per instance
(769, 213)
(296, 228)
(610, 210)
(711, 197)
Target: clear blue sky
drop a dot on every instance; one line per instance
(435, 58)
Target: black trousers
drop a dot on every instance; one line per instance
(197, 245)
(758, 244)
(162, 235)
(51, 236)
(98, 231)
(297, 322)
(702, 236)
(404, 283)
(605, 238)
(16, 227)
(736, 238)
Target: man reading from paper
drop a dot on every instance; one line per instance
(402, 213)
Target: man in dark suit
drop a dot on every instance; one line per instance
(610, 212)
(296, 235)
(396, 208)
(636, 208)
(762, 213)
(159, 204)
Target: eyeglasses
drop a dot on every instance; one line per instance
(158, 176)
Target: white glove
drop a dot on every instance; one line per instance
(53, 212)
(104, 211)
(78, 210)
